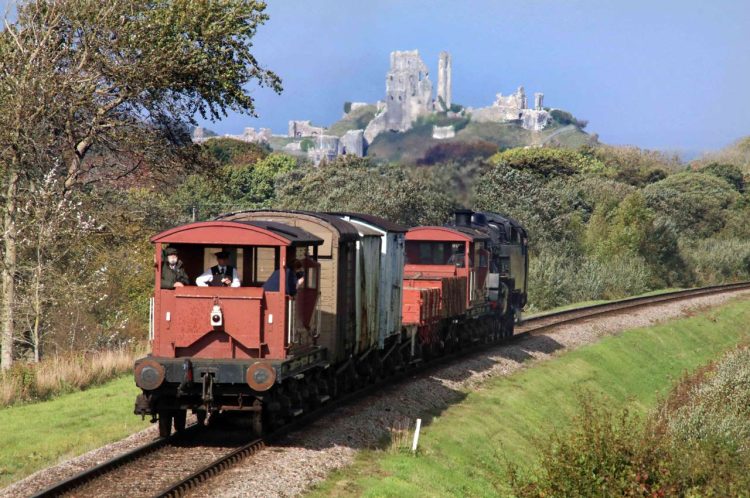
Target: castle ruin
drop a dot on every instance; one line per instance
(513, 107)
(250, 135)
(408, 95)
(444, 82)
(302, 129)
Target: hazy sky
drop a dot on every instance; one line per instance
(670, 74)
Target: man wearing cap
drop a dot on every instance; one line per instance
(172, 273)
(221, 275)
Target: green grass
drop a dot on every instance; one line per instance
(465, 450)
(583, 304)
(37, 435)
(355, 120)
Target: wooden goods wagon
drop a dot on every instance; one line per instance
(337, 257)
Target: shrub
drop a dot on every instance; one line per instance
(694, 444)
(549, 162)
(460, 152)
(713, 261)
(636, 166)
(729, 172)
(696, 203)
(233, 151)
(556, 279)
(565, 118)
(63, 373)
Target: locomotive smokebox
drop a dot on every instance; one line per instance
(463, 217)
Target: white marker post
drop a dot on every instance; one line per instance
(416, 436)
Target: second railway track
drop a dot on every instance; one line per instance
(175, 465)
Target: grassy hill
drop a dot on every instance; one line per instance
(412, 145)
(355, 120)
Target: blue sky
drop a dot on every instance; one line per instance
(661, 74)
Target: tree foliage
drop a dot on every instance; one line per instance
(696, 203)
(549, 162)
(96, 92)
(403, 195)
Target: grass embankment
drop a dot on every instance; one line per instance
(35, 436)
(466, 450)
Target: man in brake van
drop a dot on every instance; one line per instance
(294, 279)
(172, 273)
(221, 275)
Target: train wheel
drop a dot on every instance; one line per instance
(257, 423)
(508, 323)
(200, 415)
(180, 417)
(165, 423)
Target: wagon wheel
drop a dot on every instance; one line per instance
(200, 415)
(180, 417)
(257, 422)
(165, 423)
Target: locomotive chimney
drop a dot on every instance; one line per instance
(463, 217)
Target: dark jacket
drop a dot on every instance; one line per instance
(169, 276)
(217, 276)
(272, 284)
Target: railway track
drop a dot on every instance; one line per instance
(171, 467)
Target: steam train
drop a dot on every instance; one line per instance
(327, 303)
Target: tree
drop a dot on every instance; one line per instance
(49, 222)
(696, 203)
(728, 172)
(107, 90)
(404, 195)
(549, 162)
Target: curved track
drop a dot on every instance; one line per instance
(194, 456)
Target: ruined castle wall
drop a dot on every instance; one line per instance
(304, 129)
(535, 120)
(443, 132)
(352, 143)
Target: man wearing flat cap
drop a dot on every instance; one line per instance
(172, 273)
(221, 275)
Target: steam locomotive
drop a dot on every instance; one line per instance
(327, 303)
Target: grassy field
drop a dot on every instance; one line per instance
(35, 436)
(465, 451)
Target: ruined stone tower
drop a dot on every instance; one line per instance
(408, 94)
(408, 90)
(538, 101)
(444, 82)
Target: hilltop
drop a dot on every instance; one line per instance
(414, 125)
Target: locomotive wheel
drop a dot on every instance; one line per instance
(180, 417)
(165, 423)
